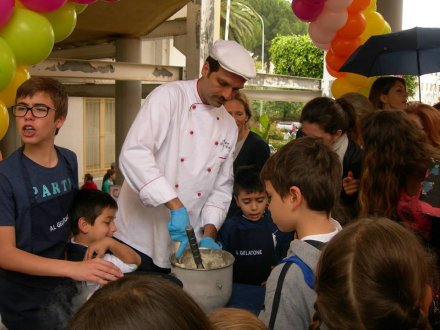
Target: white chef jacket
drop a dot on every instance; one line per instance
(176, 147)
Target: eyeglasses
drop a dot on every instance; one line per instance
(38, 110)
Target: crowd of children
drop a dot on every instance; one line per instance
(295, 266)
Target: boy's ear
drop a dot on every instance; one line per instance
(426, 300)
(83, 225)
(295, 197)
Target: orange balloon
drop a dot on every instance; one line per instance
(354, 27)
(334, 61)
(7, 95)
(344, 47)
(334, 73)
(358, 6)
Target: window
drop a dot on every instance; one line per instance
(99, 135)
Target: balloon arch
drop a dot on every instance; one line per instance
(28, 31)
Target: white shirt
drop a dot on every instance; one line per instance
(325, 237)
(176, 147)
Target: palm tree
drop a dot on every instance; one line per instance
(244, 24)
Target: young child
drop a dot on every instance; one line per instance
(37, 186)
(373, 275)
(88, 182)
(140, 302)
(252, 237)
(303, 181)
(92, 223)
(235, 319)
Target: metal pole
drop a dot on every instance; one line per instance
(228, 13)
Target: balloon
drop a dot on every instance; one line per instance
(29, 35)
(7, 64)
(306, 12)
(84, 2)
(318, 35)
(387, 28)
(43, 6)
(372, 6)
(341, 86)
(334, 73)
(357, 79)
(63, 21)
(79, 8)
(337, 4)
(6, 9)
(7, 95)
(344, 47)
(4, 120)
(358, 6)
(375, 25)
(321, 46)
(354, 27)
(110, 1)
(332, 20)
(333, 61)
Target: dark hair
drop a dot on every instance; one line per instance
(88, 177)
(372, 275)
(395, 149)
(248, 179)
(310, 165)
(330, 115)
(381, 86)
(214, 65)
(140, 302)
(50, 86)
(88, 204)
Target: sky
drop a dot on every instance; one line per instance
(424, 13)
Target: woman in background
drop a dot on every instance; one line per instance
(389, 93)
(426, 118)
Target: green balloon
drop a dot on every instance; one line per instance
(63, 21)
(7, 64)
(79, 8)
(29, 35)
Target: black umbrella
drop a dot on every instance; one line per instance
(413, 52)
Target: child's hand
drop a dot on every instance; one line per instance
(350, 185)
(95, 270)
(97, 249)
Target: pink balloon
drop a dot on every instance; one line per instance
(110, 1)
(43, 6)
(6, 9)
(305, 11)
(320, 36)
(84, 2)
(332, 20)
(321, 46)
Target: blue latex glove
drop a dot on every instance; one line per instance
(176, 227)
(209, 243)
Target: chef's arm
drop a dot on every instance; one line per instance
(174, 204)
(209, 230)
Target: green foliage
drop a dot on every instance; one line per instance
(264, 128)
(411, 84)
(246, 28)
(296, 56)
(280, 110)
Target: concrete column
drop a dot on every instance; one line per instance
(392, 11)
(128, 95)
(203, 28)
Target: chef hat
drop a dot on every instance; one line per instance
(233, 58)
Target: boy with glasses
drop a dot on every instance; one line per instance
(37, 185)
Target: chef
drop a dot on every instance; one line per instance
(177, 160)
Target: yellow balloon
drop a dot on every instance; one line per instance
(341, 86)
(7, 95)
(371, 7)
(4, 120)
(375, 25)
(63, 21)
(387, 28)
(357, 79)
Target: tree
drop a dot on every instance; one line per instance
(278, 19)
(296, 55)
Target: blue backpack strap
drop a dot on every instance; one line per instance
(309, 277)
